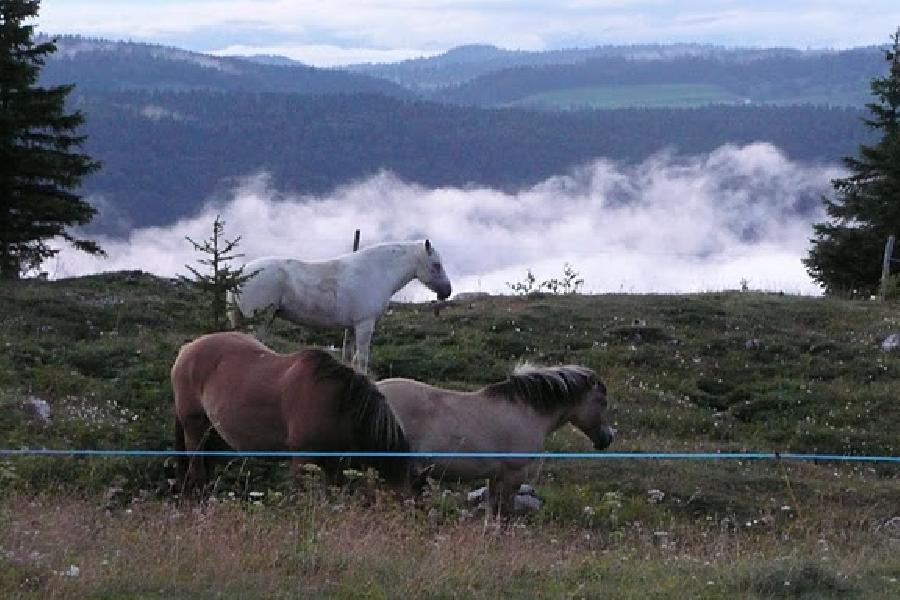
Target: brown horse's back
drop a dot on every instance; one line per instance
(230, 385)
(239, 387)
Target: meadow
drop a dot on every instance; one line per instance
(657, 95)
(726, 371)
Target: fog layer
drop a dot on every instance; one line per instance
(737, 216)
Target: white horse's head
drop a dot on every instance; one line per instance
(430, 271)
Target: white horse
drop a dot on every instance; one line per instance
(351, 290)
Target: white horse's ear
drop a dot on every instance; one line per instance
(428, 248)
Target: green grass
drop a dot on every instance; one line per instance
(676, 95)
(684, 95)
(721, 371)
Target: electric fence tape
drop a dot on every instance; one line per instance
(787, 456)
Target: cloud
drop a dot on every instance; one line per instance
(670, 224)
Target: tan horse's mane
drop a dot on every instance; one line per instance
(374, 423)
(545, 389)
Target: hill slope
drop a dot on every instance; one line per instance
(164, 154)
(490, 76)
(733, 371)
(100, 65)
(833, 78)
(698, 371)
(174, 129)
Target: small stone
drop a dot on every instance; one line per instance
(526, 490)
(523, 502)
(115, 498)
(40, 407)
(477, 495)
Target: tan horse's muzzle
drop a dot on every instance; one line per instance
(604, 438)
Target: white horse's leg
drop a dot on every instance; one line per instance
(345, 347)
(363, 334)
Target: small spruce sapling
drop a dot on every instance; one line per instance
(223, 279)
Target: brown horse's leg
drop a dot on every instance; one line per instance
(181, 462)
(196, 431)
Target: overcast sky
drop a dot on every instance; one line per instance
(342, 31)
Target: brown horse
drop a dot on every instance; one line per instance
(514, 415)
(230, 386)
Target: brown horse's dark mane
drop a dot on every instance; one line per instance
(374, 425)
(545, 389)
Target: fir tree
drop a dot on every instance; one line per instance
(847, 249)
(223, 279)
(40, 166)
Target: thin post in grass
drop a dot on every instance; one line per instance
(347, 331)
(886, 265)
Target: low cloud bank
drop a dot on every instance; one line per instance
(740, 214)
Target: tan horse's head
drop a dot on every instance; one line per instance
(573, 393)
(430, 271)
(591, 416)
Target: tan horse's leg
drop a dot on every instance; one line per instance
(503, 490)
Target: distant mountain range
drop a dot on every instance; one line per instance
(100, 65)
(640, 75)
(175, 128)
(676, 75)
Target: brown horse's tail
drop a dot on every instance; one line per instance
(375, 427)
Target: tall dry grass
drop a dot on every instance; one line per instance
(58, 546)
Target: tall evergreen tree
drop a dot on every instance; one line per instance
(40, 163)
(847, 249)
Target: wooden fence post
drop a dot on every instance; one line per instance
(886, 264)
(344, 351)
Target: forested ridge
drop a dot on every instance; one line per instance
(164, 153)
(174, 129)
(829, 78)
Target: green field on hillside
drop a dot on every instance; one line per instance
(671, 95)
(685, 95)
(733, 371)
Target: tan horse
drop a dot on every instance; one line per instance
(514, 415)
(229, 385)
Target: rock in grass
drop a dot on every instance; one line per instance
(40, 408)
(526, 499)
(476, 496)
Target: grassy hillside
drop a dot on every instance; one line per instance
(729, 371)
(680, 95)
(761, 77)
(622, 96)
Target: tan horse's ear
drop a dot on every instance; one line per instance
(428, 248)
